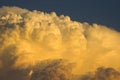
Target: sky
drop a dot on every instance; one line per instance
(104, 12)
(37, 45)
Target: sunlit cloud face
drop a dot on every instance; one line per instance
(43, 46)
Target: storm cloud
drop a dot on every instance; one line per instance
(36, 45)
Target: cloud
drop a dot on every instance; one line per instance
(29, 38)
(53, 70)
(103, 74)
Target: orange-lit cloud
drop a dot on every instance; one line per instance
(29, 38)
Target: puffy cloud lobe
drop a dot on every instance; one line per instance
(54, 70)
(103, 74)
(29, 37)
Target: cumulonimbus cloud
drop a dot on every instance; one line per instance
(29, 38)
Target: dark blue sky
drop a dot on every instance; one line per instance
(105, 12)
